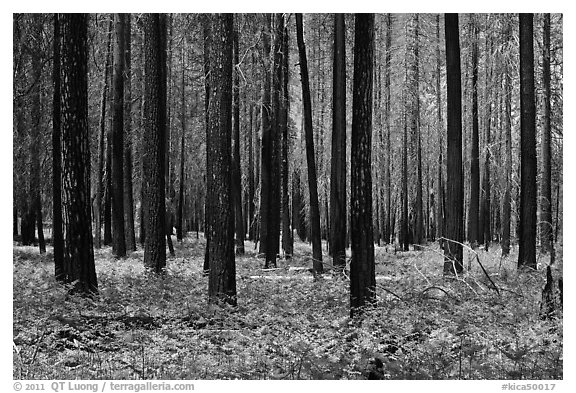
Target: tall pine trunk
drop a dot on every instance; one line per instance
(57, 238)
(528, 205)
(454, 181)
(153, 176)
(118, 235)
(362, 268)
(309, 134)
(338, 165)
(222, 277)
(287, 240)
(79, 268)
(130, 235)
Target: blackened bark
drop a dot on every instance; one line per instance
(35, 204)
(79, 269)
(118, 235)
(251, 210)
(206, 30)
(528, 205)
(222, 278)
(338, 165)
(57, 238)
(266, 170)
(546, 184)
(287, 237)
(153, 148)
(312, 182)
(236, 171)
(474, 204)
(179, 223)
(362, 268)
(485, 224)
(130, 235)
(454, 181)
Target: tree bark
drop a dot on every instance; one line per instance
(118, 235)
(57, 237)
(287, 240)
(153, 148)
(35, 203)
(179, 223)
(309, 134)
(362, 268)
(338, 164)
(440, 126)
(79, 269)
(236, 169)
(130, 236)
(528, 205)
(265, 170)
(101, 140)
(222, 278)
(454, 182)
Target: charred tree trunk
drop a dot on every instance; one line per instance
(57, 237)
(454, 182)
(506, 204)
(440, 125)
(79, 269)
(130, 235)
(153, 148)
(362, 268)
(222, 277)
(338, 169)
(118, 238)
(265, 170)
(312, 182)
(528, 205)
(287, 240)
(179, 223)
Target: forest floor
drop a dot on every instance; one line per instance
(287, 325)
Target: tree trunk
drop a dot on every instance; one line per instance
(338, 169)
(79, 269)
(454, 182)
(312, 182)
(473, 213)
(118, 235)
(179, 223)
(236, 169)
(528, 205)
(222, 278)
(153, 148)
(57, 237)
(206, 30)
(35, 204)
(440, 126)
(546, 184)
(362, 268)
(388, 230)
(506, 203)
(265, 176)
(130, 235)
(287, 240)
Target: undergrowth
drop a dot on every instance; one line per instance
(287, 325)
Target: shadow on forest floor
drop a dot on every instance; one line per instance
(287, 325)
